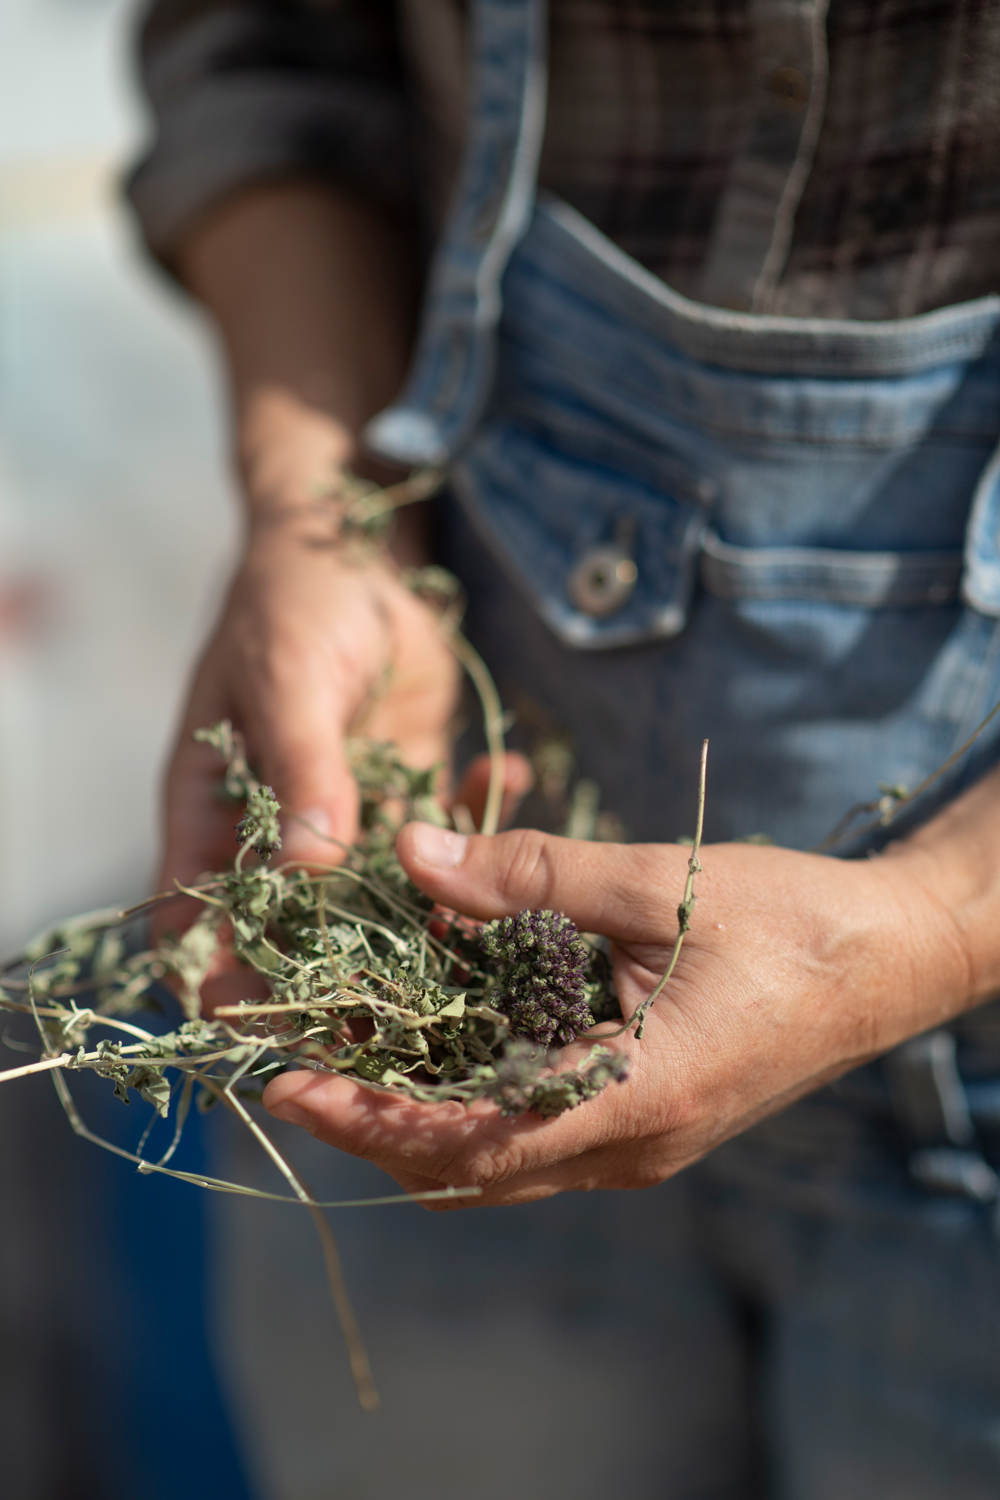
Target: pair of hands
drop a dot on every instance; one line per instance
(796, 966)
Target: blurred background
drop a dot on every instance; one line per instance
(114, 496)
(116, 529)
(156, 1341)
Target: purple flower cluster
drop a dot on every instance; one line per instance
(542, 964)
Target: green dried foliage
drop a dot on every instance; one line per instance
(364, 977)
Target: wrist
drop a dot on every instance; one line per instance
(288, 454)
(293, 460)
(290, 537)
(957, 857)
(937, 904)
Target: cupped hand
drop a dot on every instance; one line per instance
(796, 968)
(312, 645)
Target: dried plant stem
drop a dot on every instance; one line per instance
(891, 804)
(684, 912)
(72, 1060)
(47, 1047)
(364, 1383)
(187, 1093)
(374, 951)
(219, 1185)
(80, 1129)
(409, 913)
(493, 724)
(355, 921)
(325, 931)
(357, 1355)
(356, 1352)
(420, 485)
(686, 908)
(264, 1140)
(46, 1064)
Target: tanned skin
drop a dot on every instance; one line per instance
(796, 968)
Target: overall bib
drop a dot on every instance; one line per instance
(675, 521)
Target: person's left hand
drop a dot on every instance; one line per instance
(796, 968)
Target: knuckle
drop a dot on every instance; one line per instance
(482, 1166)
(526, 871)
(648, 1176)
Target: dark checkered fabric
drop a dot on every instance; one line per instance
(789, 156)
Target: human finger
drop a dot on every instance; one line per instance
(451, 1143)
(518, 779)
(626, 891)
(295, 737)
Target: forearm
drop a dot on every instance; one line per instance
(313, 296)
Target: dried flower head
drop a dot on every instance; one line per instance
(542, 965)
(259, 827)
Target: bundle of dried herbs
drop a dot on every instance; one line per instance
(361, 975)
(365, 978)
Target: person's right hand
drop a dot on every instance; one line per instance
(312, 294)
(313, 642)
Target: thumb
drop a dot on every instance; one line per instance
(303, 759)
(624, 891)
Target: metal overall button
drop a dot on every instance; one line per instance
(604, 579)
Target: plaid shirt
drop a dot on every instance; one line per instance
(824, 158)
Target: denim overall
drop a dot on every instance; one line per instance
(804, 516)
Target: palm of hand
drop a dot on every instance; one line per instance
(785, 981)
(309, 649)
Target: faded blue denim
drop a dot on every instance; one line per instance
(799, 540)
(815, 515)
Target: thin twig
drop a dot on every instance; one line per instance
(356, 1352)
(364, 1383)
(180, 1119)
(493, 724)
(892, 802)
(684, 913)
(219, 1185)
(420, 485)
(44, 1066)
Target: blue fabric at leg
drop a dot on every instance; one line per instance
(879, 1308)
(152, 1389)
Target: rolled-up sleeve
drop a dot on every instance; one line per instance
(243, 90)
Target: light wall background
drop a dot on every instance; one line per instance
(117, 519)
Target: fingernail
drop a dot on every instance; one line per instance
(317, 818)
(438, 847)
(292, 1114)
(301, 829)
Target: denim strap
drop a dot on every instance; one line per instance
(981, 584)
(453, 370)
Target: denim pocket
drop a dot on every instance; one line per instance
(829, 575)
(543, 511)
